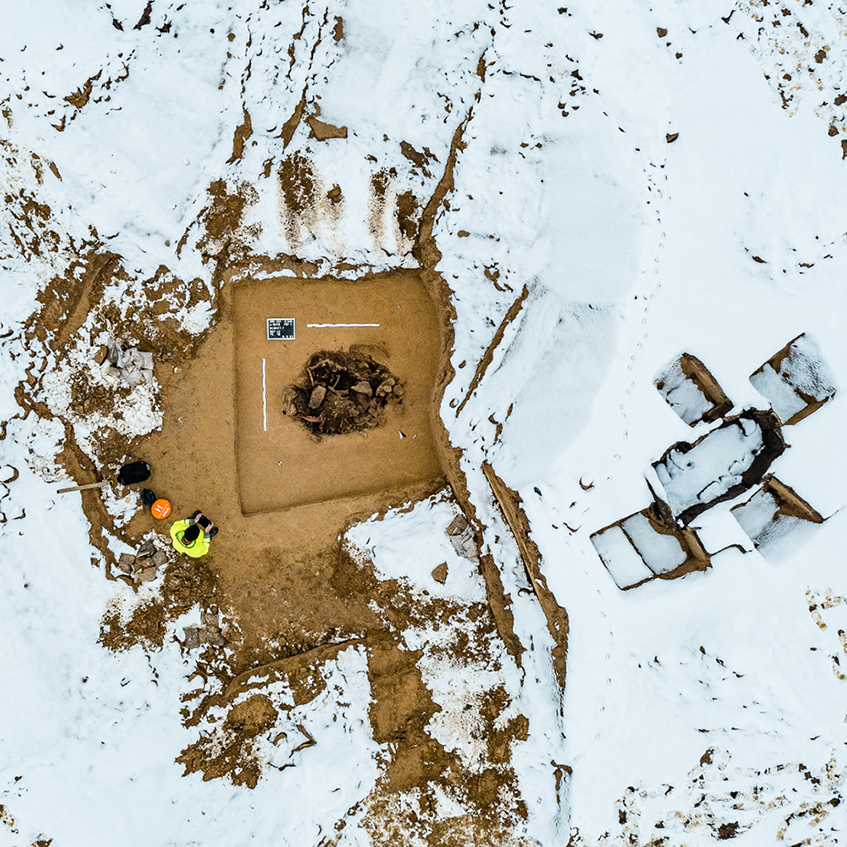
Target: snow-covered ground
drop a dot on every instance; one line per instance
(641, 172)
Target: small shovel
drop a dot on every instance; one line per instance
(128, 475)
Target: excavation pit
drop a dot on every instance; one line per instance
(342, 392)
(382, 330)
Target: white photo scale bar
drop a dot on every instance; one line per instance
(264, 398)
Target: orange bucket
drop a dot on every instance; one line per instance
(161, 509)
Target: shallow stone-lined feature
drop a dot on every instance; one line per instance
(720, 465)
(649, 545)
(343, 392)
(774, 511)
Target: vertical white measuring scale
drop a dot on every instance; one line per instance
(278, 329)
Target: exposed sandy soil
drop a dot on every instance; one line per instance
(280, 464)
(290, 595)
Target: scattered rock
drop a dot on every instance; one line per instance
(462, 538)
(100, 355)
(210, 620)
(215, 638)
(465, 545)
(363, 388)
(125, 563)
(459, 525)
(289, 407)
(147, 549)
(130, 365)
(317, 396)
(145, 574)
(208, 632)
(144, 566)
(342, 392)
(113, 352)
(439, 574)
(192, 637)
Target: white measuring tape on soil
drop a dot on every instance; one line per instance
(320, 326)
(264, 398)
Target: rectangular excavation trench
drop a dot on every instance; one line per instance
(279, 463)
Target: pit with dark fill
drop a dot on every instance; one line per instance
(342, 392)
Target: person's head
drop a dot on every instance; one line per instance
(190, 534)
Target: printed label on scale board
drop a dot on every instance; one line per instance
(280, 329)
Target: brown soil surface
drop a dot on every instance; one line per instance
(280, 465)
(291, 596)
(557, 618)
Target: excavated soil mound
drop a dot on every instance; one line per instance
(342, 392)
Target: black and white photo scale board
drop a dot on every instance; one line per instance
(281, 329)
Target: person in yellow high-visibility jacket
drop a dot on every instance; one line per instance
(188, 539)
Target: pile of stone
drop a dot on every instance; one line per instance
(127, 364)
(462, 538)
(144, 566)
(208, 632)
(342, 392)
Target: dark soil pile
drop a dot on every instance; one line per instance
(342, 392)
